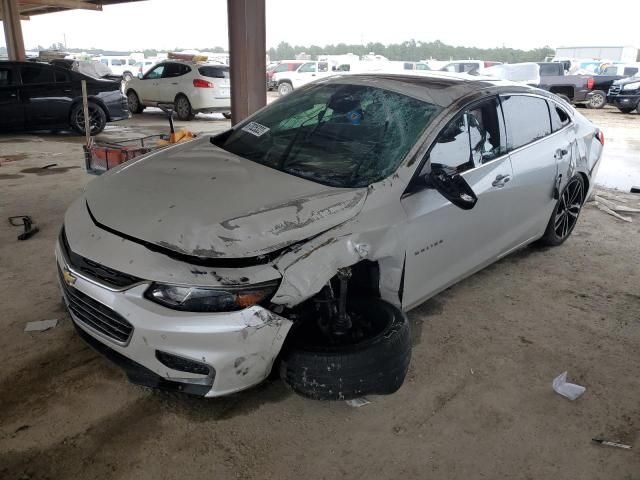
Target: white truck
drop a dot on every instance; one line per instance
(307, 72)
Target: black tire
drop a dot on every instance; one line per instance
(638, 108)
(97, 118)
(284, 88)
(565, 213)
(597, 100)
(182, 107)
(226, 115)
(625, 110)
(565, 98)
(377, 365)
(134, 102)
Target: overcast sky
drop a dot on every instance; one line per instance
(166, 24)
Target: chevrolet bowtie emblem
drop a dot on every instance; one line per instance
(69, 278)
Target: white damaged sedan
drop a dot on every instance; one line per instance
(300, 236)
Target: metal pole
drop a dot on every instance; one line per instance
(247, 49)
(13, 30)
(85, 109)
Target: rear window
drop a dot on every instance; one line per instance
(214, 72)
(549, 69)
(559, 118)
(630, 71)
(527, 119)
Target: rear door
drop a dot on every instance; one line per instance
(218, 75)
(445, 242)
(11, 110)
(539, 157)
(171, 82)
(46, 104)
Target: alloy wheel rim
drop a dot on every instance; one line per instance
(596, 100)
(568, 208)
(94, 119)
(133, 101)
(182, 107)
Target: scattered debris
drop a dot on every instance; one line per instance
(606, 209)
(616, 208)
(609, 443)
(30, 228)
(569, 390)
(49, 166)
(357, 402)
(41, 325)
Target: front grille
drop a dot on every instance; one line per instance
(614, 89)
(96, 315)
(94, 270)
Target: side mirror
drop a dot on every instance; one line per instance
(140, 75)
(452, 187)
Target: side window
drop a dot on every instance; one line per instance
(61, 76)
(527, 119)
(408, 66)
(155, 73)
(451, 68)
(469, 67)
(172, 70)
(559, 118)
(323, 67)
(32, 74)
(474, 137)
(132, 61)
(307, 67)
(6, 77)
(630, 71)
(104, 61)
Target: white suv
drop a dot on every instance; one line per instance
(307, 72)
(191, 88)
(119, 66)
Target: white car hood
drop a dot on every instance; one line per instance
(197, 199)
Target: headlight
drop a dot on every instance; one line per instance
(199, 299)
(631, 86)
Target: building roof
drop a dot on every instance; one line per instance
(28, 8)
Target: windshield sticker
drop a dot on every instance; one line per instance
(255, 129)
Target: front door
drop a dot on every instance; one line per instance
(149, 86)
(11, 112)
(445, 242)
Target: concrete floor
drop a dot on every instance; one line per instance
(477, 402)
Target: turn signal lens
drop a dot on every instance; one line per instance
(600, 137)
(590, 83)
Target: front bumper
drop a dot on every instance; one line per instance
(238, 347)
(624, 101)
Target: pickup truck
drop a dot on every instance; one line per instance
(573, 88)
(307, 72)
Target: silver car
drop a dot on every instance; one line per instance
(300, 236)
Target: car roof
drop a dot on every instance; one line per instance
(439, 88)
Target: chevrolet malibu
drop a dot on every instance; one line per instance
(298, 238)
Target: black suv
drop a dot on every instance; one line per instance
(39, 96)
(625, 94)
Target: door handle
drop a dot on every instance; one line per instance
(560, 153)
(67, 90)
(501, 180)
(174, 83)
(313, 74)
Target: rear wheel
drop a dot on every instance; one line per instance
(285, 88)
(566, 212)
(183, 108)
(97, 118)
(597, 99)
(372, 358)
(625, 110)
(134, 102)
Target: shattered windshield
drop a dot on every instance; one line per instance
(338, 135)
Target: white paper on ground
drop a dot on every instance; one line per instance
(41, 325)
(357, 402)
(569, 390)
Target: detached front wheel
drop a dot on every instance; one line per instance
(373, 359)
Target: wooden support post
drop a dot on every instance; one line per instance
(13, 30)
(85, 109)
(247, 49)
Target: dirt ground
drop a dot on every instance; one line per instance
(477, 402)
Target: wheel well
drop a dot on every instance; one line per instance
(280, 82)
(568, 91)
(585, 179)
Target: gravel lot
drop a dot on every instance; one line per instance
(477, 402)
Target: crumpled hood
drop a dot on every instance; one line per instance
(198, 199)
